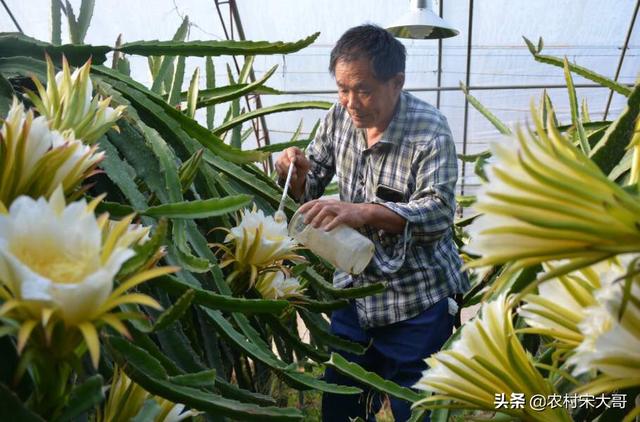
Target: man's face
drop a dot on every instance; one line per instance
(370, 102)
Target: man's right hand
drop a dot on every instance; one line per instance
(301, 166)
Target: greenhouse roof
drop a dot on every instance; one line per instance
(501, 71)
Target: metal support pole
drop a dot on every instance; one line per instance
(260, 124)
(439, 83)
(261, 128)
(15, 22)
(466, 101)
(622, 54)
(457, 88)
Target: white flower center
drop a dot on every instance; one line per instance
(54, 263)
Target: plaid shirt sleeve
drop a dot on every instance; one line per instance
(320, 154)
(430, 209)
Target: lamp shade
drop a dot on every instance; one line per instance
(422, 23)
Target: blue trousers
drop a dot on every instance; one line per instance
(397, 353)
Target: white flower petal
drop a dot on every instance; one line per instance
(53, 255)
(274, 241)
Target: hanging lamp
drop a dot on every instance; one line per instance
(422, 23)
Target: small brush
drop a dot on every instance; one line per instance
(280, 216)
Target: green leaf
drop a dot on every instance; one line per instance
(548, 109)
(84, 19)
(418, 414)
(590, 126)
(586, 116)
(142, 162)
(253, 341)
(265, 355)
(175, 311)
(192, 97)
(478, 168)
(11, 405)
(245, 135)
(472, 158)
(199, 379)
(318, 281)
(321, 335)
(167, 161)
(214, 48)
(210, 72)
(176, 83)
(117, 56)
(623, 167)
(154, 65)
(150, 409)
(234, 392)
(575, 112)
(230, 77)
(293, 340)
(466, 201)
(23, 66)
(14, 44)
(479, 161)
(84, 397)
(246, 69)
(143, 340)
(297, 132)
(10, 361)
(123, 66)
(173, 188)
(234, 111)
(221, 302)
(314, 130)
(332, 189)
(267, 190)
(296, 105)
(495, 121)
(138, 365)
(612, 146)
(137, 357)
(212, 96)
(56, 22)
(119, 172)
(203, 208)
(182, 255)
(371, 379)
(6, 96)
(189, 169)
(72, 23)
(215, 404)
(579, 70)
(518, 283)
(178, 346)
(302, 144)
(260, 352)
(145, 251)
(321, 306)
(532, 48)
(303, 381)
(166, 64)
(170, 122)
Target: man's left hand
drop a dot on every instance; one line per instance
(330, 213)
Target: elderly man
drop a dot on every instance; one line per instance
(395, 164)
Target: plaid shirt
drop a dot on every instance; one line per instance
(411, 170)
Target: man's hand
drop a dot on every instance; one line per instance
(330, 213)
(301, 166)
